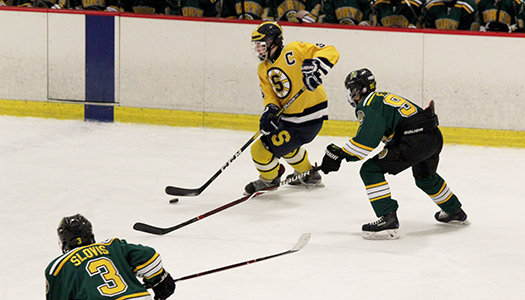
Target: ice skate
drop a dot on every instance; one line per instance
(459, 217)
(311, 180)
(384, 228)
(263, 184)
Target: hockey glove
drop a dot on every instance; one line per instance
(497, 26)
(291, 16)
(164, 288)
(332, 159)
(312, 69)
(269, 122)
(306, 17)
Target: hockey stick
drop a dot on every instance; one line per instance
(178, 191)
(303, 240)
(162, 231)
(414, 13)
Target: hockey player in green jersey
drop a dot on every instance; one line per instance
(348, 12)
(283, 71)
(297, 11)
(451, 15)
(501, 15)
(397, 13)
(412, 139)
(107, 270)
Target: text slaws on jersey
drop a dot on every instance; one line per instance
(113, 283)
(406, 109)
(320, 45)
(281, 83)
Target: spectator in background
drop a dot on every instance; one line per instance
(8, 3)
(242, 9)
(348, 12)
(292, 10)
(451, 14)
(194, 8)
(521, 20)
(105, 5)
(145, 6)
(397, 13)
(500, 15)
(50, 4)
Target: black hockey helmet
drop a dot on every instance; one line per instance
(267, 35)
(361, 82)
(75, 231)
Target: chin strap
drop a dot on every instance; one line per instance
(273, 57)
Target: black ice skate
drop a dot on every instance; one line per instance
(264, 185)
(310, 180)
(385, 228)
(459, 217)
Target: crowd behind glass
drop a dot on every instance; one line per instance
(475, 15)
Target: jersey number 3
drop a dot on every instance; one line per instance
(114, 284)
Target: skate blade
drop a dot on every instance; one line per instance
(391, 234)
(308, 185)
(264, 190)
(456, 222)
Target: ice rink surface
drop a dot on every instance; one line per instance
(115, 174)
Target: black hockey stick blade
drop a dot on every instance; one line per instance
(303, 240)
(162, 231)
(179, 191)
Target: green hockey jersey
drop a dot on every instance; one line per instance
(452, 15)
(379, 114)
(106, 270)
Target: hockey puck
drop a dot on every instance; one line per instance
(174, 200)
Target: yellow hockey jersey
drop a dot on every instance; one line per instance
(282, 79)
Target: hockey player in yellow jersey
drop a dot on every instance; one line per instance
(283, 71)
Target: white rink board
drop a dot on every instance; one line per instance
(23, 55)
(162, 64)
(397, 68)
(67, 57)
(208, 66)
(482, 81)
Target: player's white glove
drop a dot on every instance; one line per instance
(305, 16)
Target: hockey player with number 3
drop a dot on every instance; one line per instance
(412, 139)
(108, 270)
(283, 72)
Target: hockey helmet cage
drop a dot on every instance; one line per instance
(267, 35)
(361, 82)
(75, 231)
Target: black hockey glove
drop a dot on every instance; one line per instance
(164, 288)
(497, 26)
(311, 75)
(332, 159)
(269, 122)
(312, 69)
